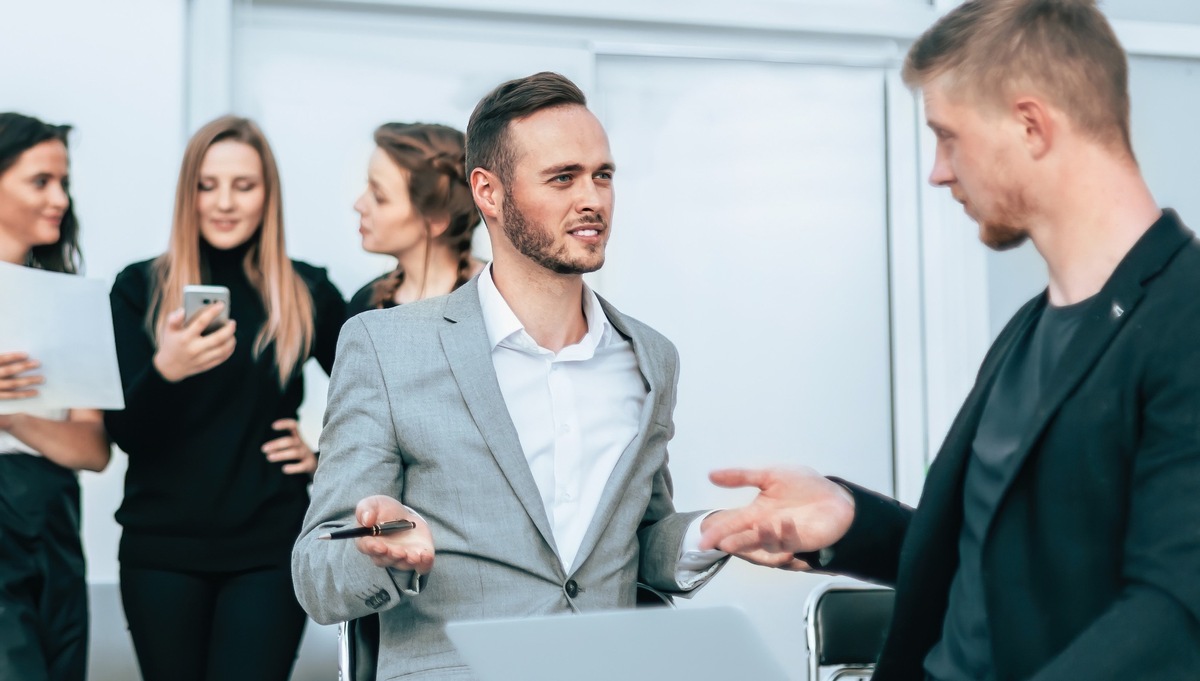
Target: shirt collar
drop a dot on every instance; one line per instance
(503, 327)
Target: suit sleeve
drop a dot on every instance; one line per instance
(1152, 629)
(662, 529)
(360, 457)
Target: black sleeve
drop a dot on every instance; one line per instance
(870, 549)
(329, 313)
(150, 399)
(361, 300)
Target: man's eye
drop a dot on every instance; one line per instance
(606, 175)
(561, 179)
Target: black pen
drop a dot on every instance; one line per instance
(372, 531)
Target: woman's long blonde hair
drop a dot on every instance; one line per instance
(286, 298)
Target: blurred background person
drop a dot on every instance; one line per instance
(43, 592)
(217, 481)
(418, 209)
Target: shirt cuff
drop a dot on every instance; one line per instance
(407, 581)
(694, 566)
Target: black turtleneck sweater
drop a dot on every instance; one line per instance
(199, 492)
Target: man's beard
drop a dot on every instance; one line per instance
(1001, 236)
(537, 244)
(1000, 231)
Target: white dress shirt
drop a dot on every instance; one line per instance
(575, 412)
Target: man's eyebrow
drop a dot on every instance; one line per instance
(563, 168)
(575, 168)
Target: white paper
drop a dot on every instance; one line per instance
(64, 322)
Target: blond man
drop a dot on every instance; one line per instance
(1056, 537)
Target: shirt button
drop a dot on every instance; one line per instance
(572, 588)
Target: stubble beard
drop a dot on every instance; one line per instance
(537, 244)
(1000, 231)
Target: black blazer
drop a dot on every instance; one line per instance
(1091, 560)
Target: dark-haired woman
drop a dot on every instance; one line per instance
(43, 592)
(217, 482)
(418, 209)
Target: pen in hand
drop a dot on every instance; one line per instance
(371, 531)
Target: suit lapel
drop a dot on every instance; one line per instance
(464, 340)
(652, 372)
(1108, 313)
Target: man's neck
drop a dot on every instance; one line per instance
(1092, 219)
(548, 305)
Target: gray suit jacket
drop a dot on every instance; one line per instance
(415, 412)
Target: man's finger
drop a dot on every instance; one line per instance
(738, 477)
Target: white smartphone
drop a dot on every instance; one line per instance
(196, 298)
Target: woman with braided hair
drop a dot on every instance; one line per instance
(417, 208)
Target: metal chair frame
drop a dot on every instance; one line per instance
(839, 672)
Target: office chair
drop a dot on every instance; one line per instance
(845, 626)
(358, 639)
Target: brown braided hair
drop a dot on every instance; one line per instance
(433, 157)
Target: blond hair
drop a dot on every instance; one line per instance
(1064, 50)
(288, 303)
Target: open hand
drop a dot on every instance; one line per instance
(408, 550)
(795, 511)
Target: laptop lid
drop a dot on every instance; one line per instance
(650, 643)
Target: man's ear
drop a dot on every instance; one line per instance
(487, 192)
(1038, 125)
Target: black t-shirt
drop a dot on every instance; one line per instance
(965, 650)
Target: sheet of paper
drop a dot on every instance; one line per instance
(63, 321)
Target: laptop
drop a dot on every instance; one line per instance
(656, 644)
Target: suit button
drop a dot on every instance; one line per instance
(572, 588)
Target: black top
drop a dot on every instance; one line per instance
(199, 492)
(965, 651)
(361, 301)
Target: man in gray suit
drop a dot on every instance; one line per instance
(521, 422)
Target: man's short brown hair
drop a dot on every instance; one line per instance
(487, 132)
(1064, 50)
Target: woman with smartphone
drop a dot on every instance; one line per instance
(417, 208)
(216, 487)
(43, 592)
